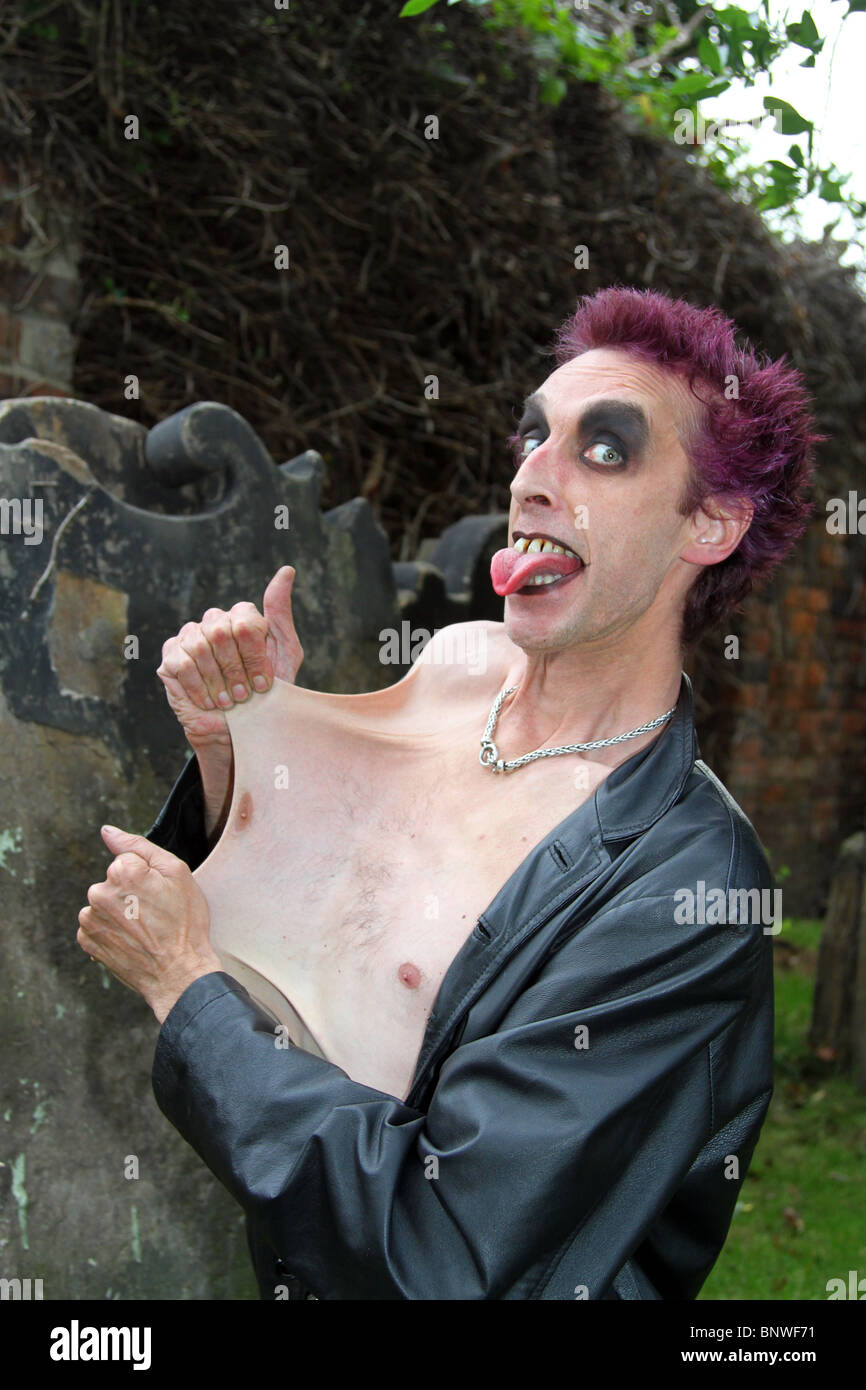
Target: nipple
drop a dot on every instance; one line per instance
(245, 811)
(409, 974)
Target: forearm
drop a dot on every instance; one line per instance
(216, 766)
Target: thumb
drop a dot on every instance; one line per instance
(286, 650)
(119, 841)
(123, 842)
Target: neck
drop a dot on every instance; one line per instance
(578, 694)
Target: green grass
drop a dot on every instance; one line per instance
(801, 1215)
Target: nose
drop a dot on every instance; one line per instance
(528, 485)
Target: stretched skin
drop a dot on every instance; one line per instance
(363, 841)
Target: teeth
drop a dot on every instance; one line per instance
(535, 547)
(544, 579)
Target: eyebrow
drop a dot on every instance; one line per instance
(627, 417)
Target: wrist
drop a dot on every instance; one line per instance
(163, 1000)
(213, 752)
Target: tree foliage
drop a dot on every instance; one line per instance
(661, 59)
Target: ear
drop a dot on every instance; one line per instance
(717, 528)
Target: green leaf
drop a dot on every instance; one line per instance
(415, 7)
(694, 93)
(735, 20)
(791, 122)
(796, 154)
(831, 190)
(715, 89)
(709, 54)
(775, 197)
(804, 34)
(552, 91)
(689, 84)
(735, 55)
(663, 33)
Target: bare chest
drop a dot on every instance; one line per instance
(359, 853)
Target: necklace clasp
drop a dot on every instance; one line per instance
(489, 755)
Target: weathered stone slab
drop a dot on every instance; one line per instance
(138, 532)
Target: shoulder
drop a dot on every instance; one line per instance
(459, 650)
(712, 855)
(727, 821)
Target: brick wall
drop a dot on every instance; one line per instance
(795, 760)
(39, 290)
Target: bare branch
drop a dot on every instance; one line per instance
(679, 41)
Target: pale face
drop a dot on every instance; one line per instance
(604, 465)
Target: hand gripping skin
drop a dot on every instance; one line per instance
(301, 895)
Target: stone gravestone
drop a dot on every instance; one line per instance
(112, 537)
(837, 1032)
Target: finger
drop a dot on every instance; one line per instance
(126, 870)
(277, 605)
(155, 857)
(92, 928)
(217, 628)
(277, 602)
(96, 938)
(182, 670)
(108, 906)
(85, 921)
(101, 897)
(250, 630)
(192, 641)
(82, 936)
(182, 678)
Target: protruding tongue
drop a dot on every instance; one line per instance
(509, 570)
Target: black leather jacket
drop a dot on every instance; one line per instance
(588, 1094)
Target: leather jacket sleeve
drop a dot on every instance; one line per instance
(547, 1150)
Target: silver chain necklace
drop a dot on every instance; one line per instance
(489, 755)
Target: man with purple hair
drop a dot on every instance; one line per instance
(553, 1086)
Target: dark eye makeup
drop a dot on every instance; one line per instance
(606, 425)
(602, 442)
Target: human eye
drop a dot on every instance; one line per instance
(605, 453)
(519, 450)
